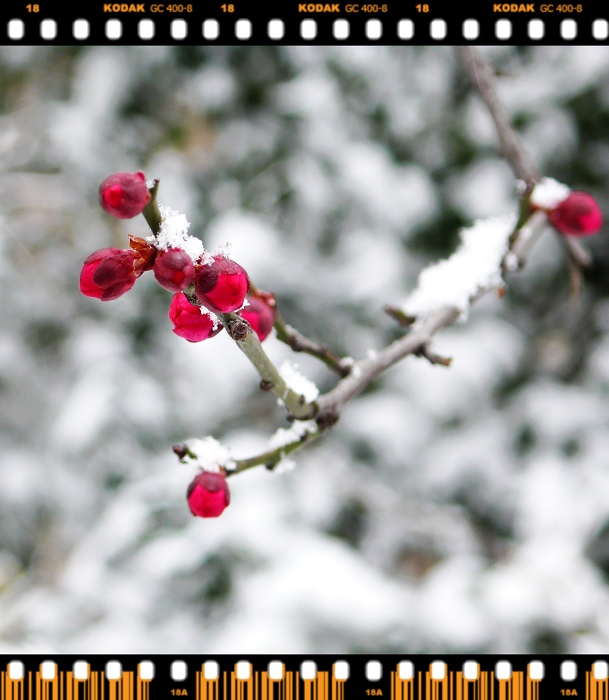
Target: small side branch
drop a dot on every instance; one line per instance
(300, 343)
(367, 370)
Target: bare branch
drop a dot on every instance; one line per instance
(300, 343)
(512, 149)
(367, 370)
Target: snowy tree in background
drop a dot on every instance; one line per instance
(450, 509)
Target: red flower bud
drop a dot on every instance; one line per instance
(221, 285)
(109, 273)
(260, 313)
(124, 195)
(189, 322)
(577, 215)
(208, 494)
(174, 269)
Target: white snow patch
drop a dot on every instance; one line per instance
(210, 455)
(284, 436)
(285, 464)
(174, 234)
(548, 193)
(298, 382)
(474, 266)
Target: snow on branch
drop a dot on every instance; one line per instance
(475, 266)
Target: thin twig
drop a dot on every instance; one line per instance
(300, 343)
(483, 77)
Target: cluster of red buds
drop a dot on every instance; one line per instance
(203, 285)
(213, 283)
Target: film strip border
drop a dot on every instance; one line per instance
(188, 22)
(294, 678)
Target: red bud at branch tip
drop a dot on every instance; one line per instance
(221, 285)
(108, 273)
(208, 495)
(174, 269)
(189, 322)
(260, 313)
(577, 215)
(124, 195)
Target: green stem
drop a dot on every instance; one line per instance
(271, 458)
(151, 211)
(270, 379)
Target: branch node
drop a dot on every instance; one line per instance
(266, 385)
(238, 329)
(328, 417)
(398, 315)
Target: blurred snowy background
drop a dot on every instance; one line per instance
(462, 509)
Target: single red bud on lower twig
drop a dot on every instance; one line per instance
(174, 269)
(189, 322)
(260, 312)
(124, 195)
(108, 273)
(221, 285)
(577, 215)
(208, 494)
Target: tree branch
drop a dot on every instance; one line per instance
(367, 370)
(358, 375)
(482, 76)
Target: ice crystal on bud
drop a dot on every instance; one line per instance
(174, 234)
(474, 266)
(298, 382)
(548, 192)
(209, 455)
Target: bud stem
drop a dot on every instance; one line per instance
(151, 211)
(251, 347)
